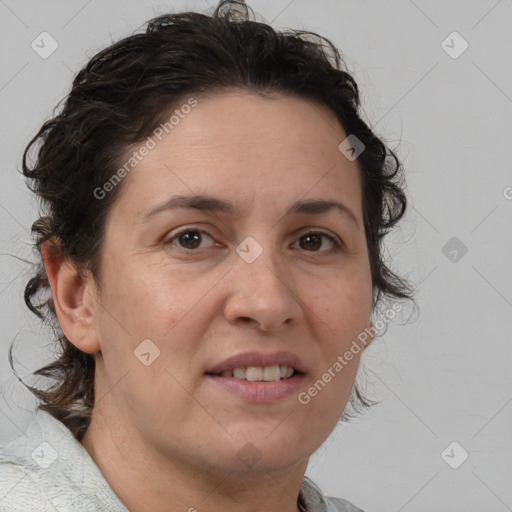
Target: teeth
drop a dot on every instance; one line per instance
(258, 373)
(271, 373)
(239, 373)
(254, 373)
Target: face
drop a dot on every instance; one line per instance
(262, 285)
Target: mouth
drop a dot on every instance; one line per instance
(259, 373)
(259, 378)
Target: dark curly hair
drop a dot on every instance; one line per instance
(118, 99)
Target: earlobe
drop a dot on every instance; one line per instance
(71, 296)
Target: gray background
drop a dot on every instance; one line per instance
(445, 375)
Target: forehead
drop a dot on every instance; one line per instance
(242, 146)
(246, 123)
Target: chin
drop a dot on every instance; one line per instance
(273, 449)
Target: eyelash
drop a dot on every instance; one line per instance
(335, 240)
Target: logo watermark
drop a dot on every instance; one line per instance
(364, 337)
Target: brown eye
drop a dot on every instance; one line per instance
(312, 241)
(189, 239)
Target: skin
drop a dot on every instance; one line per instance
(167, 422)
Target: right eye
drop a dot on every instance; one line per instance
(188, 239)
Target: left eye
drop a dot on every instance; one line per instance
(190, 239)
(310, 236)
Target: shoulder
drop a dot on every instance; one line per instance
(316, 501)
(47, 469)
(26, 465)
(340, 505)
(20, 490)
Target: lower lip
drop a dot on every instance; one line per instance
(260, 392)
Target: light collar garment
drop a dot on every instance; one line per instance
(49, 470)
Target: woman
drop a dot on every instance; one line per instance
(213, 207)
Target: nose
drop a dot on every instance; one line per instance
(263, 293)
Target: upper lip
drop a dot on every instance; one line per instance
(258, 359)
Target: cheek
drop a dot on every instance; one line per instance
(172, 312)
(141, 315)
(140, 297)
(346, 310)
(343, 306)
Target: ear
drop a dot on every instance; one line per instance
(74, 297)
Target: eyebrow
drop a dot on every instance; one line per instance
(212, 204)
